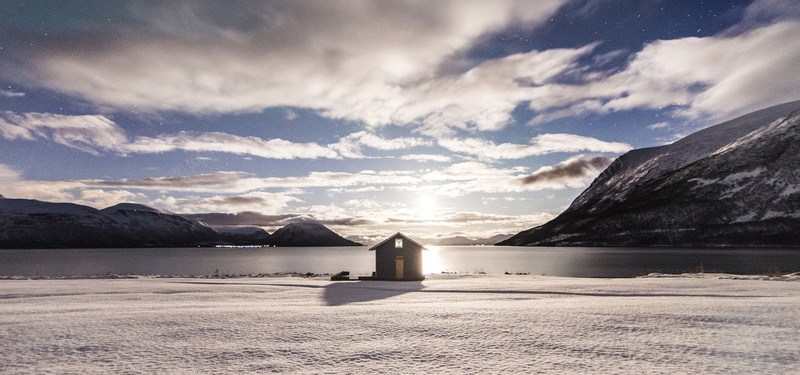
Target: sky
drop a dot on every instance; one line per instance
(433, 118)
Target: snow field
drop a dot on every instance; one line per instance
(446, 324)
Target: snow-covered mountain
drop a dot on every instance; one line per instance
(733, 184)
(26, 223)
(159, 228)
(244, 235)
(308, 234)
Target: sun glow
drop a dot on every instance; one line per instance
(426, 207)
(426, 202)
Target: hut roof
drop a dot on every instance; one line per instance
(395, 236)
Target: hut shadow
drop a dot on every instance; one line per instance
(343, 293)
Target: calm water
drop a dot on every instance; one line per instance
(579, 262)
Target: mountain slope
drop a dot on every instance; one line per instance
(308, 234)
(26, 223)
(733, 184)
(244, 235)
(154, 227)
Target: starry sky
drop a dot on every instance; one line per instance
(434, 118)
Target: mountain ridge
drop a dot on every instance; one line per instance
(303, 234)
(732, 184)
(28, 223)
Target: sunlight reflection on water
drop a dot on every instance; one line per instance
(431, 262)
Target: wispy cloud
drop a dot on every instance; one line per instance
(223, 142)
(455, 220)
(101, 198)
(659, 125)
(715, 77)
(11, 94)
(571, 172)
(264, 202)
(90, 133)
(245, 218)
(539, 145)
(217, 181)
(239, 182)
(97, 133)
(427, 158)
(351, 146)
(8, 176)
(470, 171)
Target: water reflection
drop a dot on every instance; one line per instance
(580, 262)
(431, 261)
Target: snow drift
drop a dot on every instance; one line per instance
(703, 324)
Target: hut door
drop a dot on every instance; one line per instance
(398, 268)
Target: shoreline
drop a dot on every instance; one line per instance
(794, 276)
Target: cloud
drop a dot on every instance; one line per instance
(382, 64)
(217, 181)
(352, 145)
(348, 60)
(761, 12)
(658, 125)
(8, 176)
(713, 78)
(469, 171)
(271, 203)
(362, 204)
(244, 218)
(474, 177)
(572, 172)
(95, 133)
(539, 145)
(289, 114)
(106, 198)
(89, 133)
(716, 77)
(240, 182)
(426, 158)
(11, 94)
(458, 218)
(223, 142)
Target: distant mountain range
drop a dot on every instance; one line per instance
(733, 184)
(465, 241)
(26, 223)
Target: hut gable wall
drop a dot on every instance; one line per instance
(388, 257)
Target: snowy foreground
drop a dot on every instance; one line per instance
(446, 324)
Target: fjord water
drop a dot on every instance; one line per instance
(574, 261)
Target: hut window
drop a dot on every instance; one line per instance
(398, 243)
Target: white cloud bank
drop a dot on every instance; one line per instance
(539, 145)
(378, 63)
(349, 59)
(97, 133)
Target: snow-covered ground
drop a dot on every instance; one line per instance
(700, 324)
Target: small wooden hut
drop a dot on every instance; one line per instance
(398, 258)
